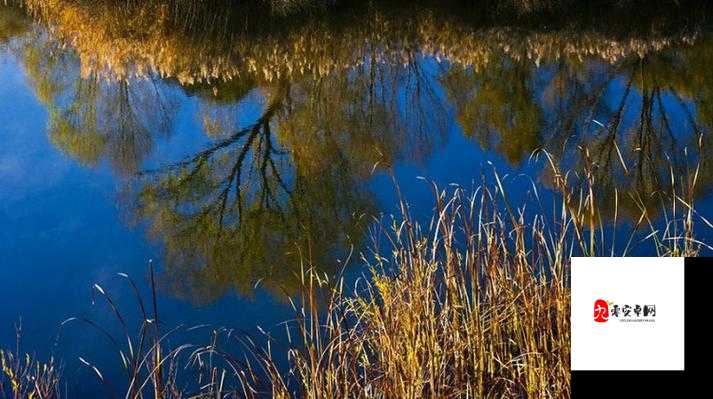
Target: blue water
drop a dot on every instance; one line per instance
(66, 224)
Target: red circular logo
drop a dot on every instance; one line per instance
(601, 311)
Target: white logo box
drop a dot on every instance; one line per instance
(623, 342)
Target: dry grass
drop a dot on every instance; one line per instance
(23, 376)
(119, 40)
(476, 304)
(458, 310)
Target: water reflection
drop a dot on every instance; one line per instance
(91, 118)
(642, 121)
(341, 98)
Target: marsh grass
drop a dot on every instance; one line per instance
(24, 376)
(475, 303)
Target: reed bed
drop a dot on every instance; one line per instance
(25, 376)
(474, 303)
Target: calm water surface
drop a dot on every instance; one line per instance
(222, 153)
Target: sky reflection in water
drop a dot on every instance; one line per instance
(122, 150)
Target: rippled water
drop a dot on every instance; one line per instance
(225, 153)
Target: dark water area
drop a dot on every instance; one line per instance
(225, 153)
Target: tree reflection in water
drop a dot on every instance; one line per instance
(341, 98)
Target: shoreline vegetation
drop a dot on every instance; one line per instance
(475, 304)
(159, 38)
